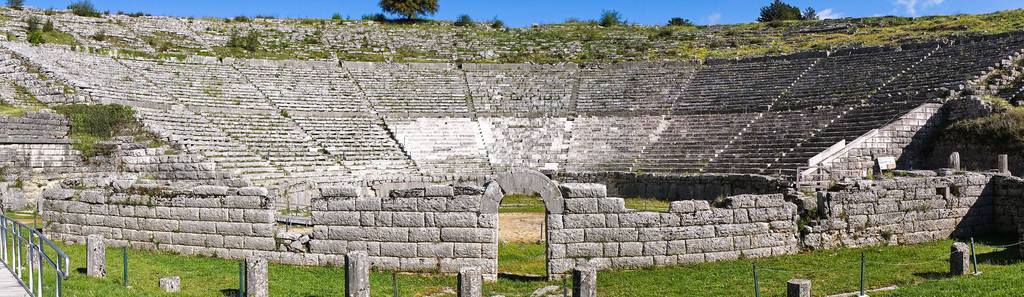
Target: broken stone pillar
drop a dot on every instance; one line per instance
(357, 274)
(170, 284)
(470, 282)
(1004, 164)
(959, 259)
(256, 277)
(954, 161)
(584, 282)
(96, 257)
(798, 288)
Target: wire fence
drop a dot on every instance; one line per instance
(864, 263)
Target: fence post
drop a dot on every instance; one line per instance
(394, 282)
(974, 257)
(862, 293)
(757, 287)
(241, 279)
(565, 289)
(124, 259)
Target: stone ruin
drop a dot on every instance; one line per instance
(409, 162)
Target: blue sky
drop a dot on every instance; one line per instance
(520, 13)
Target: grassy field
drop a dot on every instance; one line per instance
(831, 271)
(533, 204)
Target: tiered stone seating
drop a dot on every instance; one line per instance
(209, 85)
(307, 87)
(282, 143)
(536, 143)
(413, 89)
(610, 143)
(632, 87)
(770, 138)
(848, 77)
(199, 135)
(691, 141)
(443, 146)
(107, 80)
(740, 86)
(360, 143)
(17, 73)
(521, 89)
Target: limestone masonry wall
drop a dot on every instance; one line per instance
(904, 210)
(598, 231)
(673, 187)
(434, 228)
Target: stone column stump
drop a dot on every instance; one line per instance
(470, 282)
(357, 274)
(954, 161)
(256, 277)
(170, 284)
(584, 282)
(1004, 164)
(96, 257)
(959, 259)
(798, 288)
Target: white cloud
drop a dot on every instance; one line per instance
(911, 6)
(713, 19)
(828, 13)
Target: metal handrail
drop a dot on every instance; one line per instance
(20, 253)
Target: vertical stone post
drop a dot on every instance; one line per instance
(584, 282)
(96, 257)
(1004, 164)
(256, 277)
(798, 288)
(470, 282)
(954, 161)
(959, 259)
(357, 274)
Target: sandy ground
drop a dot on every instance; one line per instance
(520, 227)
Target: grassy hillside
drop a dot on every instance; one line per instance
(440, 41)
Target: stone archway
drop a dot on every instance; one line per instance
(526, 182)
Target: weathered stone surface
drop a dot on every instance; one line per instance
(170, 284)
(256, 277)
(959, 259)
(954, 161)
(584, 281)
(798, 288)
(1003, 165)
(340, 191)
(96, 257)
(470, 282)
(357, 274)
(583, 190)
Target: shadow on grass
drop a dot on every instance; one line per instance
(81, 270)
(932, 275)
(522, 277)
(229, 292)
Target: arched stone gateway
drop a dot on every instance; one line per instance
(527, 182)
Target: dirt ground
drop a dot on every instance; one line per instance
(520, 227)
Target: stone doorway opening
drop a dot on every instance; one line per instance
(522, 242)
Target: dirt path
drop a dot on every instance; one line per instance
(520, 227)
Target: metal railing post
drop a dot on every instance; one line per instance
(974, 256)
(862, 274)
(757, 287)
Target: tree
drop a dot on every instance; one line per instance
(464, 20)
(410, 9)
(497, 24)
(33, 23)
(16, 4)
(779, 11)
(810, 14)
(84, 8)
(48, 26)
(679, 22)
(610, 18)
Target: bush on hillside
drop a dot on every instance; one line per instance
(497, 24)
(91, 123)
(679, 22)
(84, 8)
(610, 18)
(378, 17)
(1002, 131)
(410, 9)
(16, 4)
(779, 11)
(36, 37)
(48, 27)
(464, 20)
(249, 42)
(32, 23)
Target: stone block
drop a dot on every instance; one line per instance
(798, 288)
(170, 284)
(959, 259)
(253, 191)
(210, 190)
(439, 191)
(470, 282)
(96, 259)
(954, 161)
(584, 280)
(256, 277)
(339, 192)
(357, 274)
(572, 190)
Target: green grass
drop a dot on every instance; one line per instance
(56, 37)
(202, 276)
(522, 258)
(16, 112)
(521, 204)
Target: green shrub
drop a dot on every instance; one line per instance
(249, 42)
(32, 23)
(779, 11)
(100, 36)
(464, 20)
(16, 4)
(84, 8)
(610, 18)
(91, 123)
(380, 17)
(1002, 131)
(48, 27)
(497, 24)
(36, 37)
(242, 19)
(336, 16)
(680, 22)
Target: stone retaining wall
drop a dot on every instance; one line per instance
(601, 232)
(903, 210)
(677, 187)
